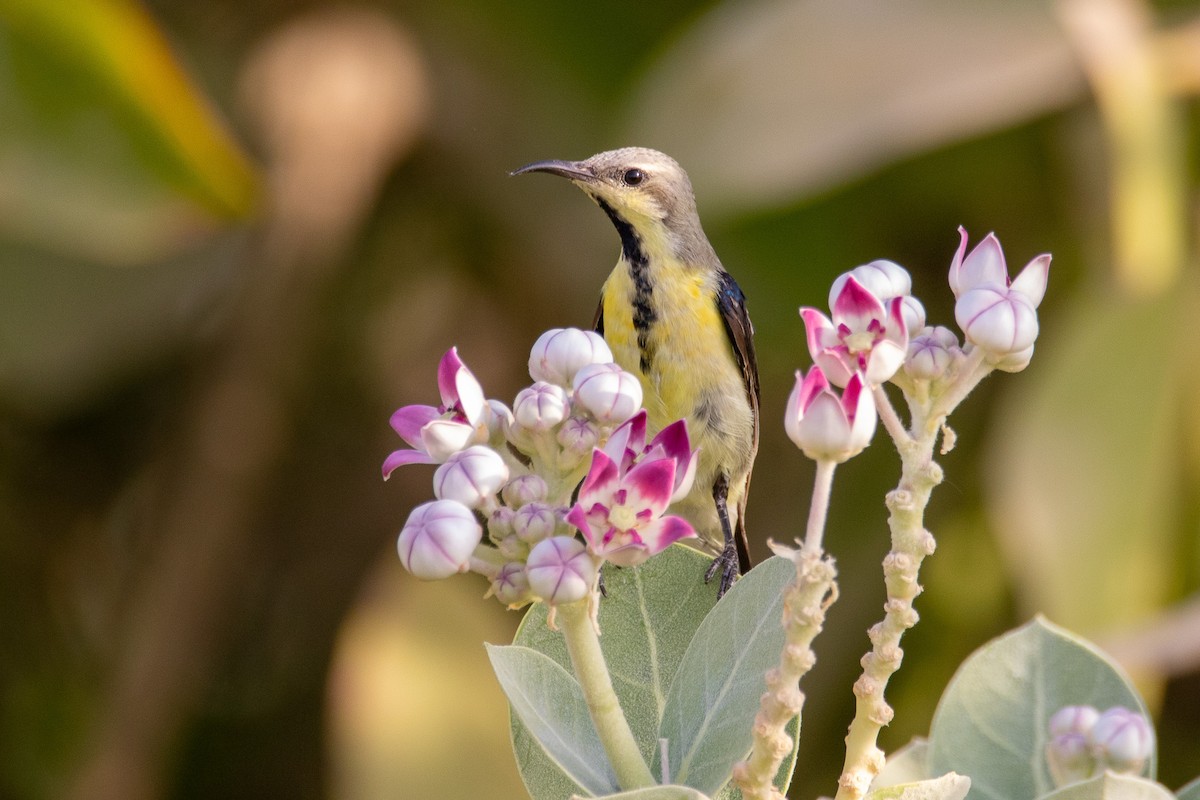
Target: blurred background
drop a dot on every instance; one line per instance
(235, 235)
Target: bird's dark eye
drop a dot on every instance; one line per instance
(633, 177)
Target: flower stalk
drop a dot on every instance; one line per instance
(583, 645)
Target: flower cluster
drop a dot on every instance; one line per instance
(877, 332)
(508, 475)
(1084, 742)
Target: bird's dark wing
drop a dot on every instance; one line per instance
(598, 323)
(731, 302)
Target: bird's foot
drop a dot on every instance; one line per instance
(727, 564)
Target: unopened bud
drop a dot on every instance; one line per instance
(471, 476)
(438, 539)
(542, 406)
(578, 435)
(511, 585)
(610, 393)
(930, 353)
(1122, 740)
(534, 522)
(524, 489)
(500, 523)
(560, 353)
(560, 570)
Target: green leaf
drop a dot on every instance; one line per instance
(947, 787)
(747, 70)
(657, 793)
(909, 764)
(1112, 786)
(646, 623)
(715, 694)
(1086, 496)
(551, 705)
(1189, 792)
(991, 721)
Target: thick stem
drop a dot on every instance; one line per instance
(911, 543)
(583, 644)
(806, 601)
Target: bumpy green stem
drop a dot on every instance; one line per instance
(911, 543)
(583, 644)
(804, 607)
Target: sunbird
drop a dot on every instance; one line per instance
(677, 320)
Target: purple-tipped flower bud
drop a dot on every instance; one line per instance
(511, 585)
(534, 522)
(997, 319)
(1069, 757)
(560, 570)
(578, 436)
(513, 548)
(542, 406)
(561, 352)
(438, 539)
(471, 477)
(1073, 719)
(882, 278)
(610, 393)
(500, 523)
(930, 353)
(1122, 740)
(524, 489)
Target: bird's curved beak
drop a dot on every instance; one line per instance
(571, 170)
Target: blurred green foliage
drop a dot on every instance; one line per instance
(140, 250)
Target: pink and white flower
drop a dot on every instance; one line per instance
(627, 445)
(997, 314)
(560, 570)
(621, 515)
(438, 539)
(827, 427)
(865, 335)
(434, 433)
(886, 280)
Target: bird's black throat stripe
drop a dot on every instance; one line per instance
(644, 314)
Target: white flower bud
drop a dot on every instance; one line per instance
(1073, 719)
(561, 352)
(541, 406)
(913, 312)
(1069, 757)
(471, 476)
(524, 489)
(998, 320)
(827, 427)
(511, 585)
(500, 523)
(610, 393)
(931, 353)
(438, 539)
(1122, 740)
(560, 570)
(534, 522)
(443, 438)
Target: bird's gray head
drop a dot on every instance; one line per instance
(635, 181)
(638, 186)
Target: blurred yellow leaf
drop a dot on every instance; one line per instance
(103, 125)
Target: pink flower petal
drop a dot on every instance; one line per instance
(674, 441)
(650, 485)
(813, 384)
(409, 420)
(627, 440)
(602, 480)
(957, 261)
(447, 375)
(579, 518)
(818, 329)
(401, 457)
(897, 328)
(856, 306)
(665, 531)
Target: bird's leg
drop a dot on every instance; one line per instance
(727, 561)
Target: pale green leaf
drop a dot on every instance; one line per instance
(855, 84)
(1191, 791)
(1085, 459)
(909, 764)
(991, 723)
(1111, 786)
(657, 793)
(947, 787)
(646, 622)
(551, 705)
(715, 694)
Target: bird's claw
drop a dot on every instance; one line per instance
(727, 564)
